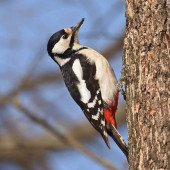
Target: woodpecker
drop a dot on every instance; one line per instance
(90, 80)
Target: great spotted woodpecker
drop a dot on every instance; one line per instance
(90, 80)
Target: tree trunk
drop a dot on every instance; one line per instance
(146, 71)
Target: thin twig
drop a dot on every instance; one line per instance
(67, 140)
(27, 83)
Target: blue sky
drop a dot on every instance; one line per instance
(24, 31)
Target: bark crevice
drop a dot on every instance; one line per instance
(146, 75)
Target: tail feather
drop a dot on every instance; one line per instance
(112, 131)
(104, 135)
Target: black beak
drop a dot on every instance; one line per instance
(77, 26)
(75, 30)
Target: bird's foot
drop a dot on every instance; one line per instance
(120, 87)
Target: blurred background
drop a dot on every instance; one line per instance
(41, 127)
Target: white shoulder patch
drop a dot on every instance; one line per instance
(84, 92)
(104, 74)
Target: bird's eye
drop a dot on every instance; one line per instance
(65, 36)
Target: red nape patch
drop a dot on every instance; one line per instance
(109, 113)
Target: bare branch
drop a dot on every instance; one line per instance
(67, 140)
(53, 76)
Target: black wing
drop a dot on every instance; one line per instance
(94, 108)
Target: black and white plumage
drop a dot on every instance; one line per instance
(90, 81)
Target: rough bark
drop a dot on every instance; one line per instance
(146, 70)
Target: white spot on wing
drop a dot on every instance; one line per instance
(99, 102)
(96, 117)
(103, 122)
(78, 71)
(92, 104)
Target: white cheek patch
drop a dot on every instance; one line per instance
(61, 46)
(61, 61)
(84, 92)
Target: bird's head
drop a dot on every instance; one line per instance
(63, 40)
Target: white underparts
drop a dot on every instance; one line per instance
(84, 92)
